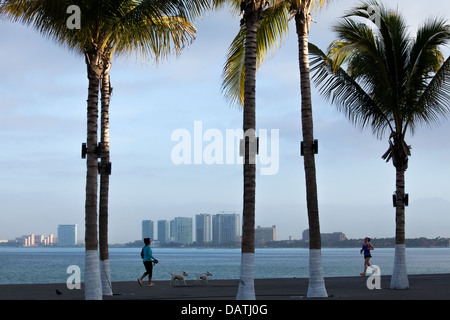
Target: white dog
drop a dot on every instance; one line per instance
(178, 277)
(203, 277)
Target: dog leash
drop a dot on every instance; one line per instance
(165, 268)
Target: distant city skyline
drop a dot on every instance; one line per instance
(66, 237)
(202, 228)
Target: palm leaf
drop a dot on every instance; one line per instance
(153, 27)
(271, 32)
(336, 84)
(428, 83)
(392, 81)
(233, 73)
(434, 102)
(48, 17)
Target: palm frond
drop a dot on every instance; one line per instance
(155, 37)
(233, 74)
(153, 27)
(392, 81)
(189, 9)
(317, 5)
(271, 32)
(335, 84)
(434, 102)
(235, 5)
(425, 57)
(314, 5)
(48, 17)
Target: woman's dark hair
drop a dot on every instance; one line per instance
(146, 241)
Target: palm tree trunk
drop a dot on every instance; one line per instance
(399, 278)
(246, 290)
(92, 272)
(104, 184)
(316, 286)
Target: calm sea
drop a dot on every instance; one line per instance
(49, 265)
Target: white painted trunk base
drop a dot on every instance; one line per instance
(316, 284)
(105, 271)
(92, 281)
(399, 278)
(246, 290)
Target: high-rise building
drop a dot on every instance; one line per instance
(203, 230)
(163, 231)
(36, 240)
(27, 240)
(67, 235)
(263, 234)
(172, 230)
(226, 228)
(181, 230)
(334, 236)
(147, 229)
(49, 240)
(305, 235)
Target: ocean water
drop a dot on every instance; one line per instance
(49, 265)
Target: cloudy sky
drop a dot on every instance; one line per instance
(43, 91)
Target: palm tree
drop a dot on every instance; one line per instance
(302, 11)
(392, 82)
(246, 53)
(50, 18)
(166, 28)
(105, 171)
(251, 13)
(273, 27)
(152, 27)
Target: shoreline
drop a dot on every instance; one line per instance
(421, 287)
(350, 245)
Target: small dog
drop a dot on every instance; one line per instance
(178, 277)
(204, 277)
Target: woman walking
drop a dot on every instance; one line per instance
(147, 259)
(366, 247)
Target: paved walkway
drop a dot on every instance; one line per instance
(422, 287)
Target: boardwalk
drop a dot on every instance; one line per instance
(422, 287)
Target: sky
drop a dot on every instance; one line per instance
(155, 108)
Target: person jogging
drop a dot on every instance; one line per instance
(366, 247)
